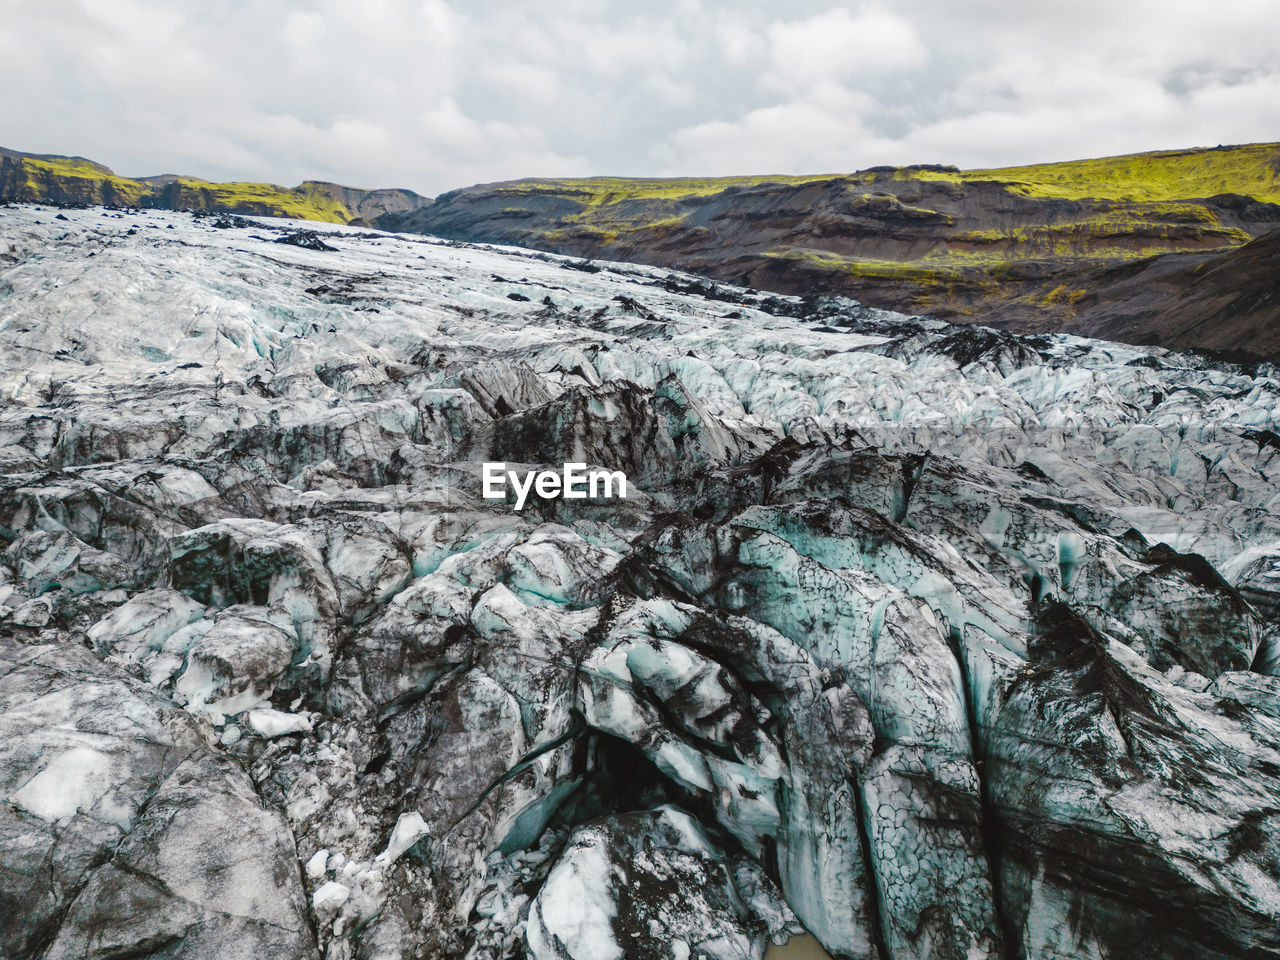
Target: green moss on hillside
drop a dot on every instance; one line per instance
(74, 179)
(1014, 232)
(307, 202)
(915, 271)
(596, 192)
(1251, 170)
(81, 178)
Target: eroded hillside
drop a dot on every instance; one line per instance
(75, 181)
(1023, 248)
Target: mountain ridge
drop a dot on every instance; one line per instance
(61, 179)
(1024, 248)
(1037, 248)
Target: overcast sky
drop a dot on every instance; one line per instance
(441, 94)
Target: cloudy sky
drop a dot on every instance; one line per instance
(437, 94)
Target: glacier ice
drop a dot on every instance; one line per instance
(929, 641)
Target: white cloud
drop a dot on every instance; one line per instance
(776, 139)
(524, 81)
(435, 94)
(738, 44)
(837, 44)
(303, 29)
(995, 82)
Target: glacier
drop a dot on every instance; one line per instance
(927, 641)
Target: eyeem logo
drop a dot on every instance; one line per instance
(574, 482)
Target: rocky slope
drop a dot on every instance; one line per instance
(75, 180)
(1026, 248)
(1217, 301)
(933, 641)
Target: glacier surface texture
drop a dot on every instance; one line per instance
(929, 641)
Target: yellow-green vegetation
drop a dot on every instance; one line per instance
(1064, 293)
(1027, 241)
(1138, 230)
(596, 192)
(870, 267)
(74, 179)
(588, 231)
(615, 208)
(1121, 234)
(84, 179)
(931, 228)
(307, 202)
(882, 203)
(1252, 170)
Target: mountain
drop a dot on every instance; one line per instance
(75, 180)
(932, 641)
(1101, 247)
(1023, 248)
